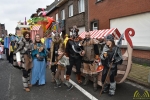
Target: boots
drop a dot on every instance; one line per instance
(112, 88)
(58, 83)
(67, 77)
(25, 84)
(29, 85)
(78, 76)
(53, 76)
(95, 82)
(69, 85)
(27, 89)
(86, 79)
(105, 88)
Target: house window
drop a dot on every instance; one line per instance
(63, 14)
(57, 17)
(95, 25)
(81, 6)
(70, 10)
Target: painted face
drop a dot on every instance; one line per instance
(74, 33)
(57, 37)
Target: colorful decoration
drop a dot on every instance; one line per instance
(43, 24)
(34, 20)
(131, 32)
(43, 12)
(42, 40)
(50, 20)
(100, 68)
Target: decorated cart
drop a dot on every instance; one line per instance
(124, 69)
(40, 25)
(20, 28)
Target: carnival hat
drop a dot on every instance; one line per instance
(57, 34)
(109, 37)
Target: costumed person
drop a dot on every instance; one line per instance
(47, 44)
(1, 50)
(62, 63)
(11, 48)
(66, 40)
(22, 58)
(101, 44)
(90, 59)
(106, 59)
(56, 43)
(75, 58)
(39, 62)
(6, 45)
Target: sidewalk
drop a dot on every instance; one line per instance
(139, 74)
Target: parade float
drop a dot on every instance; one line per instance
(42, 25)
(122, 70)
(22, 26)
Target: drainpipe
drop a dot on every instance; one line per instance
(88, 16)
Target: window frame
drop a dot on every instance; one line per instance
(92, 23)
(81, 6)
(70, 14)
(93, 27)
(56, 15)
(63, 14)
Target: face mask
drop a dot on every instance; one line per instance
(27, 39)
(87, 39)
(38, 41)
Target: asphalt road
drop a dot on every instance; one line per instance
(11, 88)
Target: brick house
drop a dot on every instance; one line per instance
(121, 14)
(70, 13)
(3, 32)
(52, 10)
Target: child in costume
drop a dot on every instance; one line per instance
(62, 63)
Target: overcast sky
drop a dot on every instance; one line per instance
(12, 11)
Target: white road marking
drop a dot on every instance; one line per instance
(90, 96)
(9, 85)
(137, 85)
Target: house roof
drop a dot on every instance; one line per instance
(51, 7)
(61, 2)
